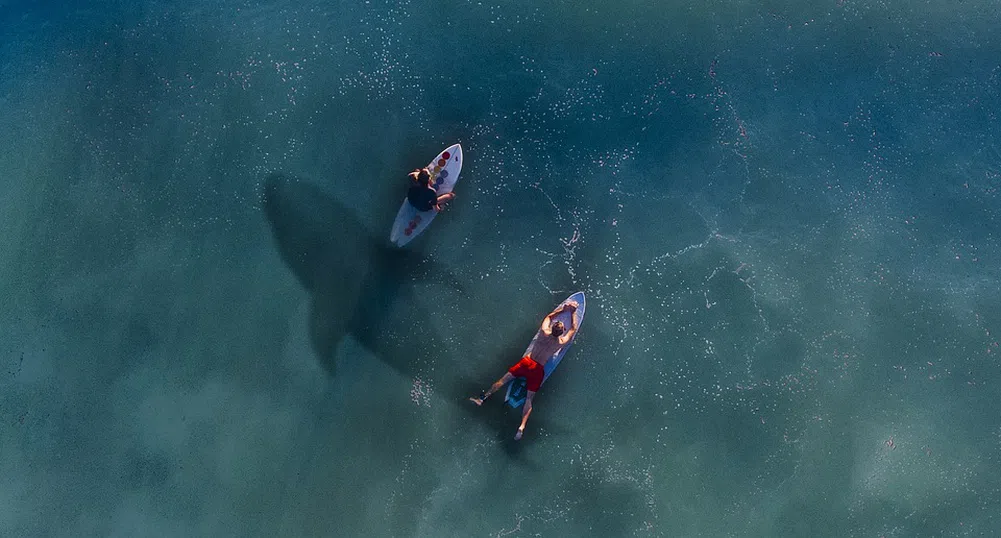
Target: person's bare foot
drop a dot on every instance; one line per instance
(476, 401)
(517, 436)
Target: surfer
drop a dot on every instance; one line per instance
(422, 195)
(551, 337)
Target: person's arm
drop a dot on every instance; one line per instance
(547, 323)
(525, 411)
(565, 337)
(413, 175)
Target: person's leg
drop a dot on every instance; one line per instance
(493, 388)
(442, 200)
(525, 411)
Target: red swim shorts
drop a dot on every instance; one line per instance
(532, 371)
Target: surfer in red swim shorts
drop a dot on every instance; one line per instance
(551, 337)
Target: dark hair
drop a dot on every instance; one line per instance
(557, 328)
(424, 177)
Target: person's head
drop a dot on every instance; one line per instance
(424, 177)
(557, 328)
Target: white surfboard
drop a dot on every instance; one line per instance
(516, 391)
(409, 221)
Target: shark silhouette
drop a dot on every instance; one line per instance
(355, 277)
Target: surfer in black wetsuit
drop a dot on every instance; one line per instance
(422, 195)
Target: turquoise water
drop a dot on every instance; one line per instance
(784, 216)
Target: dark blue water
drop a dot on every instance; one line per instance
(784, 216)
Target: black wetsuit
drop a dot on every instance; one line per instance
(423, 198)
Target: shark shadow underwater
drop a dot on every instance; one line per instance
(355, 277)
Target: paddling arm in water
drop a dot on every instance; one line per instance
(548, 341)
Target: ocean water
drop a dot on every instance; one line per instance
(784, 216)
